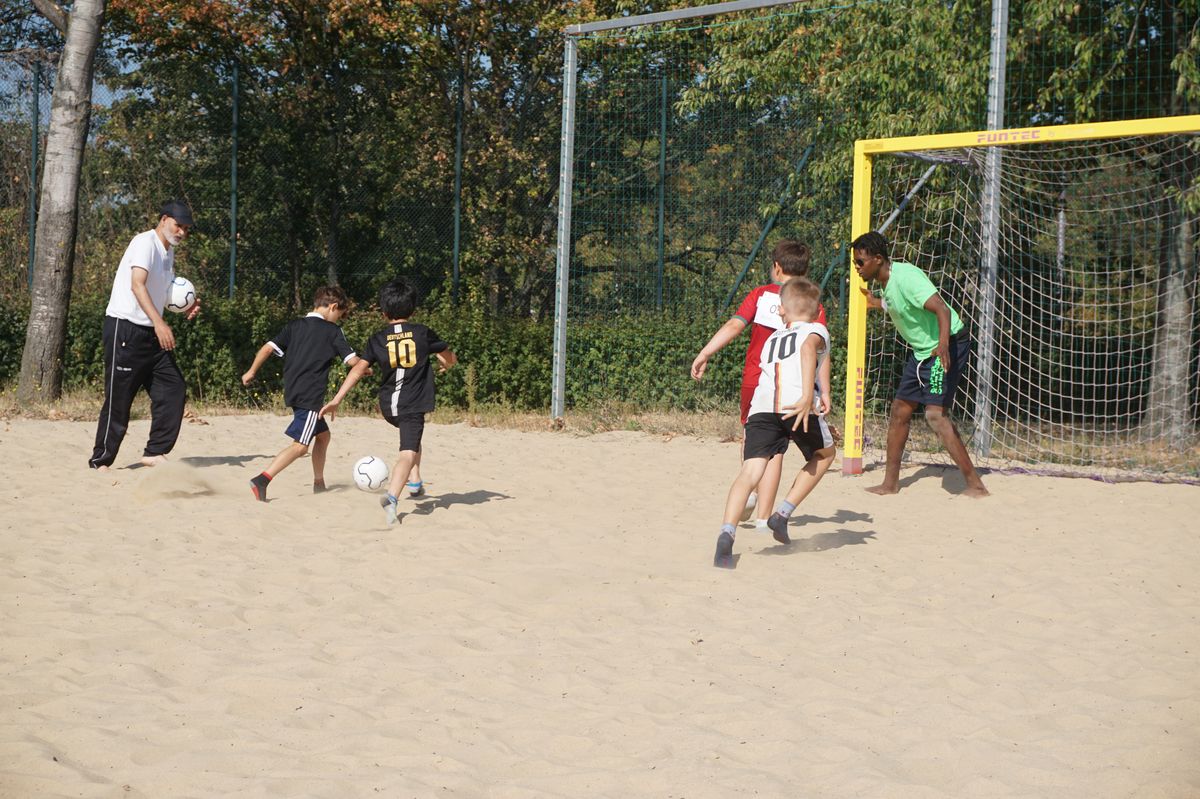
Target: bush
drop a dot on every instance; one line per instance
(641, 360)
(12, 341)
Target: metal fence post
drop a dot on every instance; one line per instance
(35, 93)
(662, 187)
(566, 165)
(233, 161)
(989, 270)
(458, 153)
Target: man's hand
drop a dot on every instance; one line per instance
(248, 378)
(194, 310)
(942, 353)
(872, 300)
(166, 338)
(699, 365)
(329, 410)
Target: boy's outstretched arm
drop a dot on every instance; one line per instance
(725, 334)
(446, 359)
(260, 357)
(356, 373)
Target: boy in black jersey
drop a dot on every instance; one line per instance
(402, 350)
(308, 347)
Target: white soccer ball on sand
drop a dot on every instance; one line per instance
(370, 473)
(182, 295)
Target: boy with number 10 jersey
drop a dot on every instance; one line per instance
(403, 351)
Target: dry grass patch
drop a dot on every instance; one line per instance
(720, 424)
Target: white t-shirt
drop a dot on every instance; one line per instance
(780, 381)
(146, 251)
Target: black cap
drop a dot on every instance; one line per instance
(177, 210)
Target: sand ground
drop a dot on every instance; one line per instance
(548, 623)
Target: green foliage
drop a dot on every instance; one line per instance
(638, 359)
(643, 359)
(12, 337)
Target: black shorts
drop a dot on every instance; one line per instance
(412, 427)
(305, 426)
(768, 434)
(926, 383)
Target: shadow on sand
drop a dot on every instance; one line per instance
(428, 504)
(819, 542)
(201, 461)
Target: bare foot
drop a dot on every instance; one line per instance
(976, 492)
(153, 460)
(883, 489)
(102, 469)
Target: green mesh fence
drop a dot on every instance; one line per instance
(21, 106)
(700, 143)
(681, 190)
(339, 194)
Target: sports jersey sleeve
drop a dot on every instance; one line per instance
(822, 332)
(341, 346)
(282, 340)
(916, 287)
(749, 307)
(435, 342)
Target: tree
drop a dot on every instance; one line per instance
(54, 255)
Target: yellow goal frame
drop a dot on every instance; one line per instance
(865, 151)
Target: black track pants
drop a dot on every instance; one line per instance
(134, 360)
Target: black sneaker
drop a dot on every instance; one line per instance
(258, 486)
(724, 557)
(778, 525)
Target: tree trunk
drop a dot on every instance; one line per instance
(54, 254)
(1168, 417)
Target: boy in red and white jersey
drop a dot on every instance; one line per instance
(789, 363)
(760, 312)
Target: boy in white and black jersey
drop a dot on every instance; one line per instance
(789, 365)
(403, 351)
(308, 347)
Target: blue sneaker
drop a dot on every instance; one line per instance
(778, 525)
(724, 557)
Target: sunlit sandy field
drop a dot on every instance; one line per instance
(547, 622)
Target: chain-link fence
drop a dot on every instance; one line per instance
(700, 141)
(287, 196)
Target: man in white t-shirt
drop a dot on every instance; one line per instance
(139, 344)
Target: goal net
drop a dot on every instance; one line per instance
(1070, 253)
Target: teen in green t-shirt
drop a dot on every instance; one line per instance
(940, 346)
